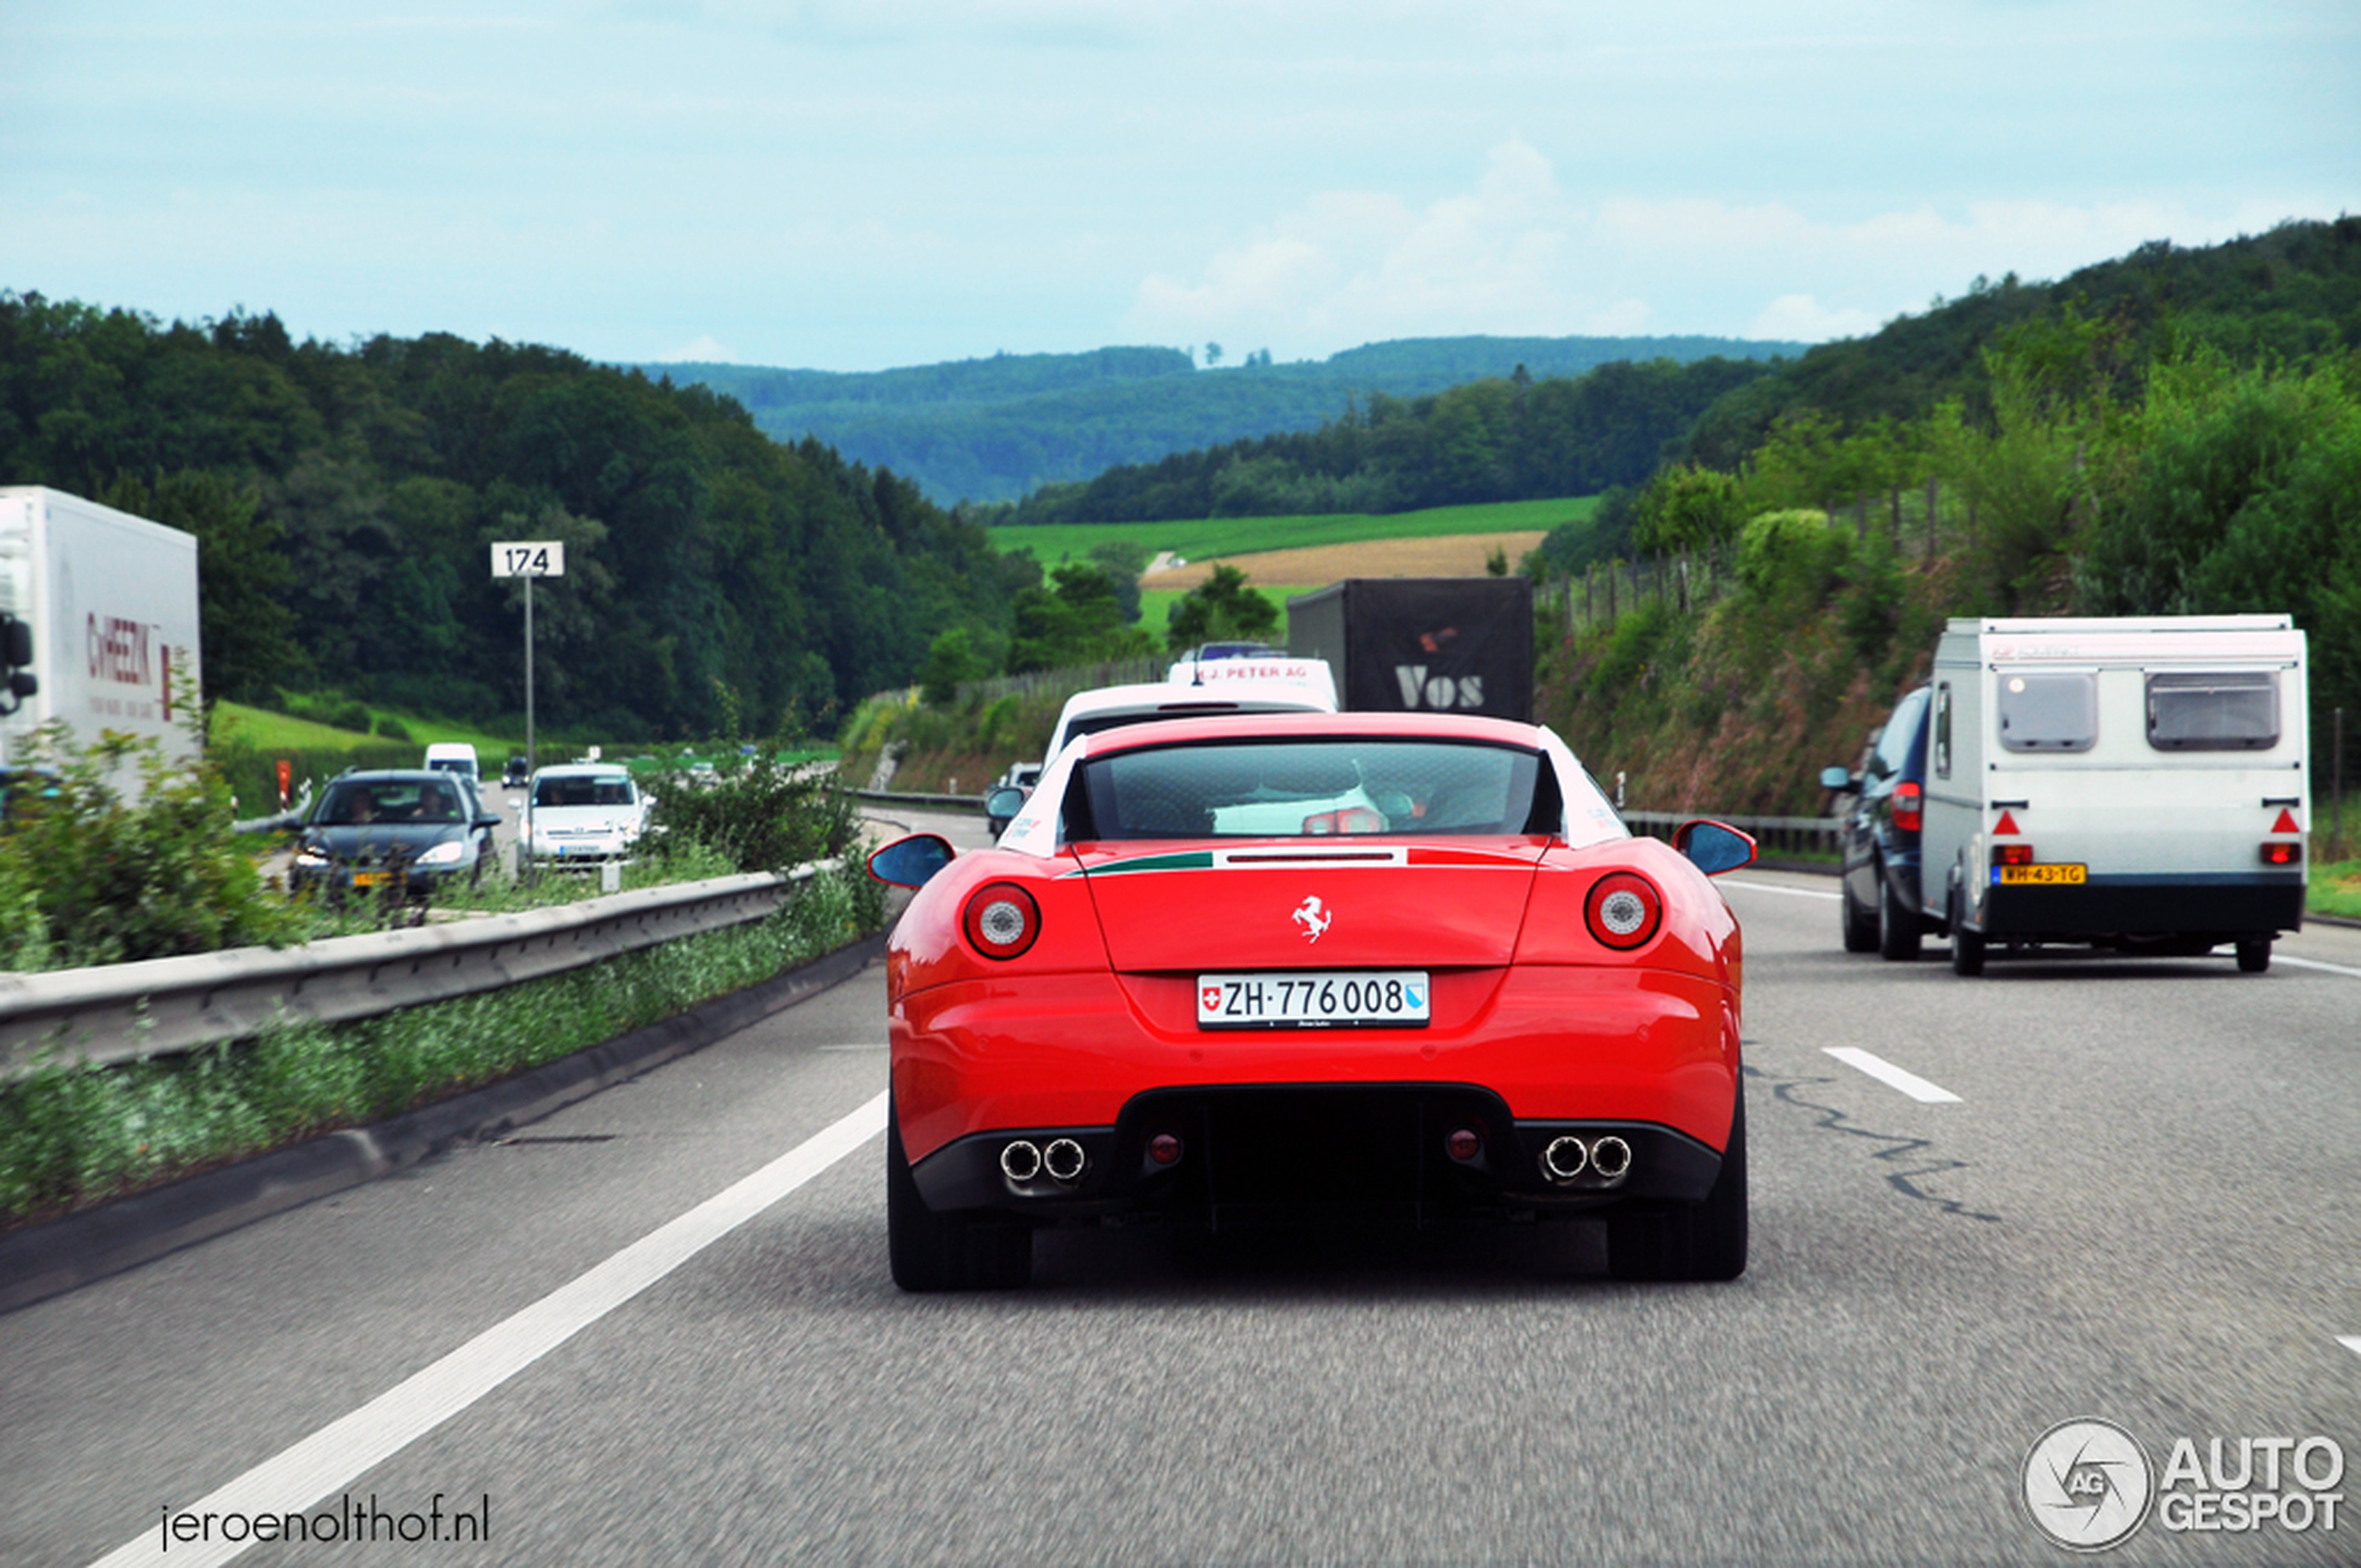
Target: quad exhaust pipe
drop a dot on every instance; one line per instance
(1564, 1159)
(1567, 1159)
(1064, 1160)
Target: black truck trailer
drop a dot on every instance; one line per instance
(1422, 644)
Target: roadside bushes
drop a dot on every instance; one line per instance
(757, 813)
(111, 853)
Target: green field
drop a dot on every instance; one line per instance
(265, 731)
(1199, 538)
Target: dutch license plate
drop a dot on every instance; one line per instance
(371, 878)
(1333, 999)
(2040, 876)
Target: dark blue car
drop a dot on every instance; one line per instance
(1878, 897)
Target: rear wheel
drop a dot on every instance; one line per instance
(1897, 928)
(955, 1251)
(1967, 946)
(1860, 925)
(2254, 955)
(1704, 1240)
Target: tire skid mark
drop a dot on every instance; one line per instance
(1899, 1147)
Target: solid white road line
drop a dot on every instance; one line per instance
(1775, 887)
(1887, 1073)
(337, 1453)
(2316, 964)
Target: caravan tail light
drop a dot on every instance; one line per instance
(2283, 853)
(1910, 804)
(2013, 854)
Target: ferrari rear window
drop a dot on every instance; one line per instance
(1312, 789)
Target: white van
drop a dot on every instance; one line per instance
(452, 756)
(2135, 784)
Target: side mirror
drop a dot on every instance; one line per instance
(1840, 781)
(489, 819)
(1713, 847)
(912, 862)
(1004, 802)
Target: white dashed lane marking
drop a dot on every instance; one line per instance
(1775, 887)
(2351, 1342)
(1887, 1073)
(2316, 964)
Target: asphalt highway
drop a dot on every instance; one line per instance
(658, 1327)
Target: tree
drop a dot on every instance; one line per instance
(1689, 507)
(1212, 354)
(245, 631)
(1223, 608)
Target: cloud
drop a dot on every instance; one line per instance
(702, 349)
(1801, 318)
(1516, 254)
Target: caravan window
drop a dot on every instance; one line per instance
(2217, 712)
(2048, 710)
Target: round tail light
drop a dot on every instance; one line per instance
(1001, 919)
(1624, 909)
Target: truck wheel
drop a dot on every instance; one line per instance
(1702, 1241)
(2254, 955)
(1898, 930)
(930, 1251)
(1860, 925)
(1967, 946)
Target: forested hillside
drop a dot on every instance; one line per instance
(345, 500)
(2178, 432)
(994, 429)
(1509, 438)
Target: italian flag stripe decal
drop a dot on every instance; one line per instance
(1192, 859)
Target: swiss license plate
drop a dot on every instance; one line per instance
(1330, 999)
(2063, 873)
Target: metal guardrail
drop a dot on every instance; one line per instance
(1771, 833)
(122, 1012)
(931, 802)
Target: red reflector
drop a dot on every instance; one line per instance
(1463, 1144)
(2013, 854)
(2287, 823)
(1908, 803)
(2007, 827)
(2282, 854)
(1163, 1149)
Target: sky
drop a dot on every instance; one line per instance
(852, 186)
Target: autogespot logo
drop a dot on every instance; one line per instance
(2088, 1485)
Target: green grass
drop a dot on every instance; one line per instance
(1201, 537)
(264, 731)
(2336, 889)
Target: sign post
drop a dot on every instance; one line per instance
(528, 560)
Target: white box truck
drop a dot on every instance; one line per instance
(2132, 783)
(111, 602)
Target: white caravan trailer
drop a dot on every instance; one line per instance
(2137, 783)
